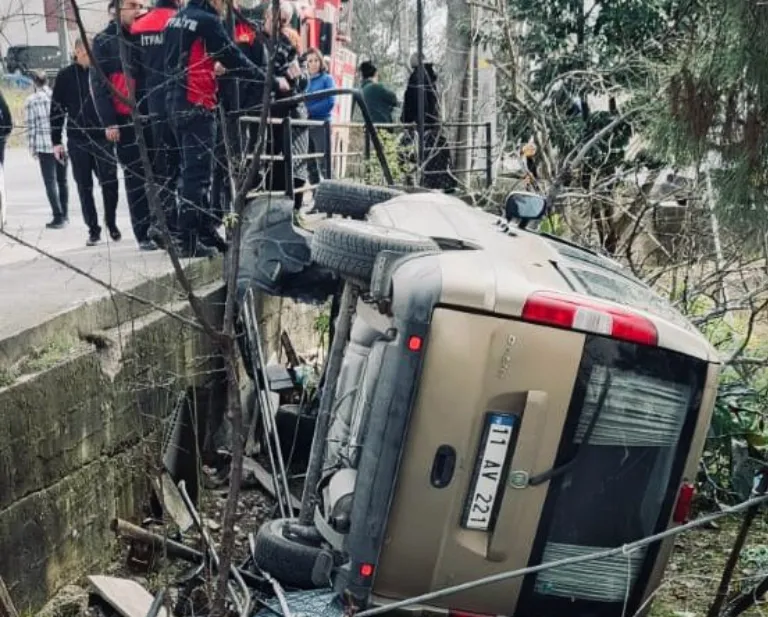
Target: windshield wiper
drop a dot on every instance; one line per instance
(556, 472)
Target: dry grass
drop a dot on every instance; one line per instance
(697, 563)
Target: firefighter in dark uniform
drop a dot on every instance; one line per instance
(197, 49)
(241, 94)
(115, 113)
(149, 35)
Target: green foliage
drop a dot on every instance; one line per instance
(394, 154)
(714, 104)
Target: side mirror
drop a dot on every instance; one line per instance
(525, 207)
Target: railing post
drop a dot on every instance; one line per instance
(488, 155)
(327, 150)
(288, 156)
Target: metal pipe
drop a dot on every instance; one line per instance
(252, 333)
(269, 409)
(327, 148)
(170, 547)
(488, 154)
(288, 156)
(323, 421)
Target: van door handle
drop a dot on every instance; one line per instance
(443, 466)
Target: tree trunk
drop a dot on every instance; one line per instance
(458, 33)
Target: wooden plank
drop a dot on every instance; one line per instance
(7, 608)
(127, 597)
(264, 478)
(172, 501)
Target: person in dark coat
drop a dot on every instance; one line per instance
(88, 149)
(149, 36)
(197, 50)
(437, 166)
(380, 100)
(6, 126)
(115, 112)
(241, 94)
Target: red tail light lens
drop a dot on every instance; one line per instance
(684, 502)
(452, 613)
(415, 343)
(582, 313)
(366, 570)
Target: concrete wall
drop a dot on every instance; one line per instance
(79, 438)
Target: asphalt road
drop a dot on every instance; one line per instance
(34, 288)
(28, 212)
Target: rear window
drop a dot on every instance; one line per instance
(608, 280)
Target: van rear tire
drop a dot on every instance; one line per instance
(350, 199)
(289, 561)
(349, 248)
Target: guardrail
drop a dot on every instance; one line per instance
(371, 143)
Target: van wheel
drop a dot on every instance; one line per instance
(349, 199)
(349, 248)
(289, 561)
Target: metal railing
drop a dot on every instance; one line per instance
(372, 143)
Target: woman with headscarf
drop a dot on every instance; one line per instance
(436, 172)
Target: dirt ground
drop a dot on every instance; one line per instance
(694, 571)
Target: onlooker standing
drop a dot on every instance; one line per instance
(239, 93)
(286, 57)
(89, 150)
(115, 113)
(37, 112)
(379, 99)
(319, 109)
(6, 126)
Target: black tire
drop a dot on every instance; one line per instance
(289, 561)
(349, 199)
(349, 248)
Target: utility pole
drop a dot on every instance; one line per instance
(63, 34)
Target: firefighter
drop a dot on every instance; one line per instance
(240, 94)
(115, 112)
(149, 35)
(197, 51)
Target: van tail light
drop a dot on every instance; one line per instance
(684, 502)
(576, 312)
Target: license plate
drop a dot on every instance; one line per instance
(490, 466)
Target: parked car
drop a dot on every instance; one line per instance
(25, 58)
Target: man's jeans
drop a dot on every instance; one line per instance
(89, 158)
(195, 132)
(55, 179)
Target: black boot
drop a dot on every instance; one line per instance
(210, 237)
(191, 248)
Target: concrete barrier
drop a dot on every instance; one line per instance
(81, 433)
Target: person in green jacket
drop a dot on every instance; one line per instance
(379, 99)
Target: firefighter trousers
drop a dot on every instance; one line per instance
(195, 131)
